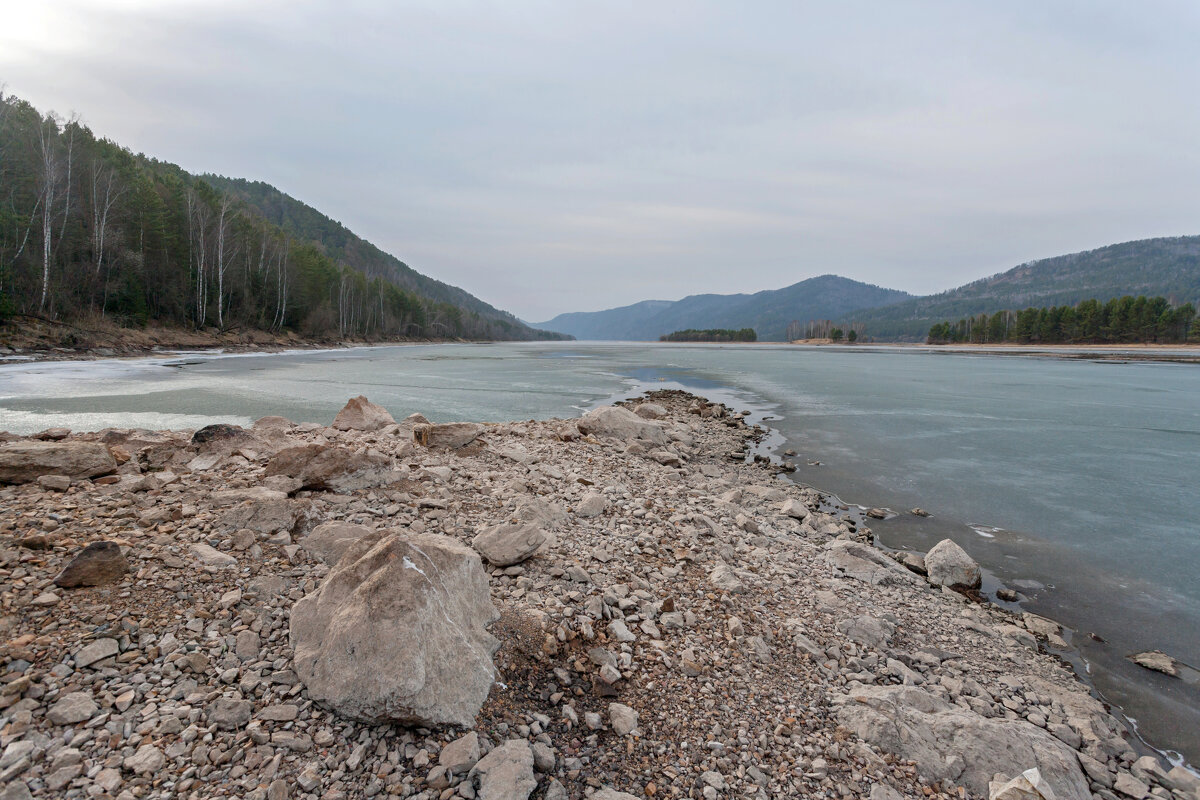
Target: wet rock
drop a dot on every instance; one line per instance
(24, 462)
(360, 414)
(397, 633)
(504, 545)
(1158, 661)
(95, 565)
(949, 565)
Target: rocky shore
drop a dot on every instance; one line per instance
(617, 606)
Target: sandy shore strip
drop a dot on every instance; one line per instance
(621, 603)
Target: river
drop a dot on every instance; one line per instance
(1073, 480)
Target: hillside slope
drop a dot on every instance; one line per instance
(768, 312)
(1165, 267)
(91, 231)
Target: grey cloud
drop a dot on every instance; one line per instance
(660, 148)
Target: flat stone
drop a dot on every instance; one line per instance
(461, 755)
(96, 651)
(210, 556)
(72, 708)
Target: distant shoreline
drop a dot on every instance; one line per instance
(1177, 353)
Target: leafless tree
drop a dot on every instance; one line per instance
(225, 255)
(105, 193)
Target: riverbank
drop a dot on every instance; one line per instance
(689, 625)
(33, 339)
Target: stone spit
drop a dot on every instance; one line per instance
(275, 609)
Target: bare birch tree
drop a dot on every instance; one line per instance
(105, 193)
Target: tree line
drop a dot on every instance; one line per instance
(1122, 320)
(823, 329)
(711, 335)
(90, 230)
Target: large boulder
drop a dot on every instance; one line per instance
(317, 466)
(950, 743)
(508, 544)
(614, 422)
(397, 633)
(329, 541)
(949, 565)
(222, 437)
(24, 462)
(449, 436)
(360, 414)
(97, 564)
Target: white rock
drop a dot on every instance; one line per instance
(72, 708)
(623, 719)
(210, 556)
(506, 773)
(397, 632)
(949, 565)
(360, 414)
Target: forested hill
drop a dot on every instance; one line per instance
(1167, 267)
(767, 312)
(89, 230)
(342, 245)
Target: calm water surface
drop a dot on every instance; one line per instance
(1074, 480)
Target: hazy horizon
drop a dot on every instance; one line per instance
(551, 159)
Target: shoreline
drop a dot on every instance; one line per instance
(702, 575)
(38, 344)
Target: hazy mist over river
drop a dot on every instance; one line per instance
(1076, 475)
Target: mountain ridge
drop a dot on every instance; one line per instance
(768, 311)
(1166, 266)
(1162, 266)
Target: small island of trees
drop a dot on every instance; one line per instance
(1122, 320)
(711, 335)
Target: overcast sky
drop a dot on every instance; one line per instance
(569, 156)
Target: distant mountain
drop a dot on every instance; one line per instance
(768, 312)
(1167, 267)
